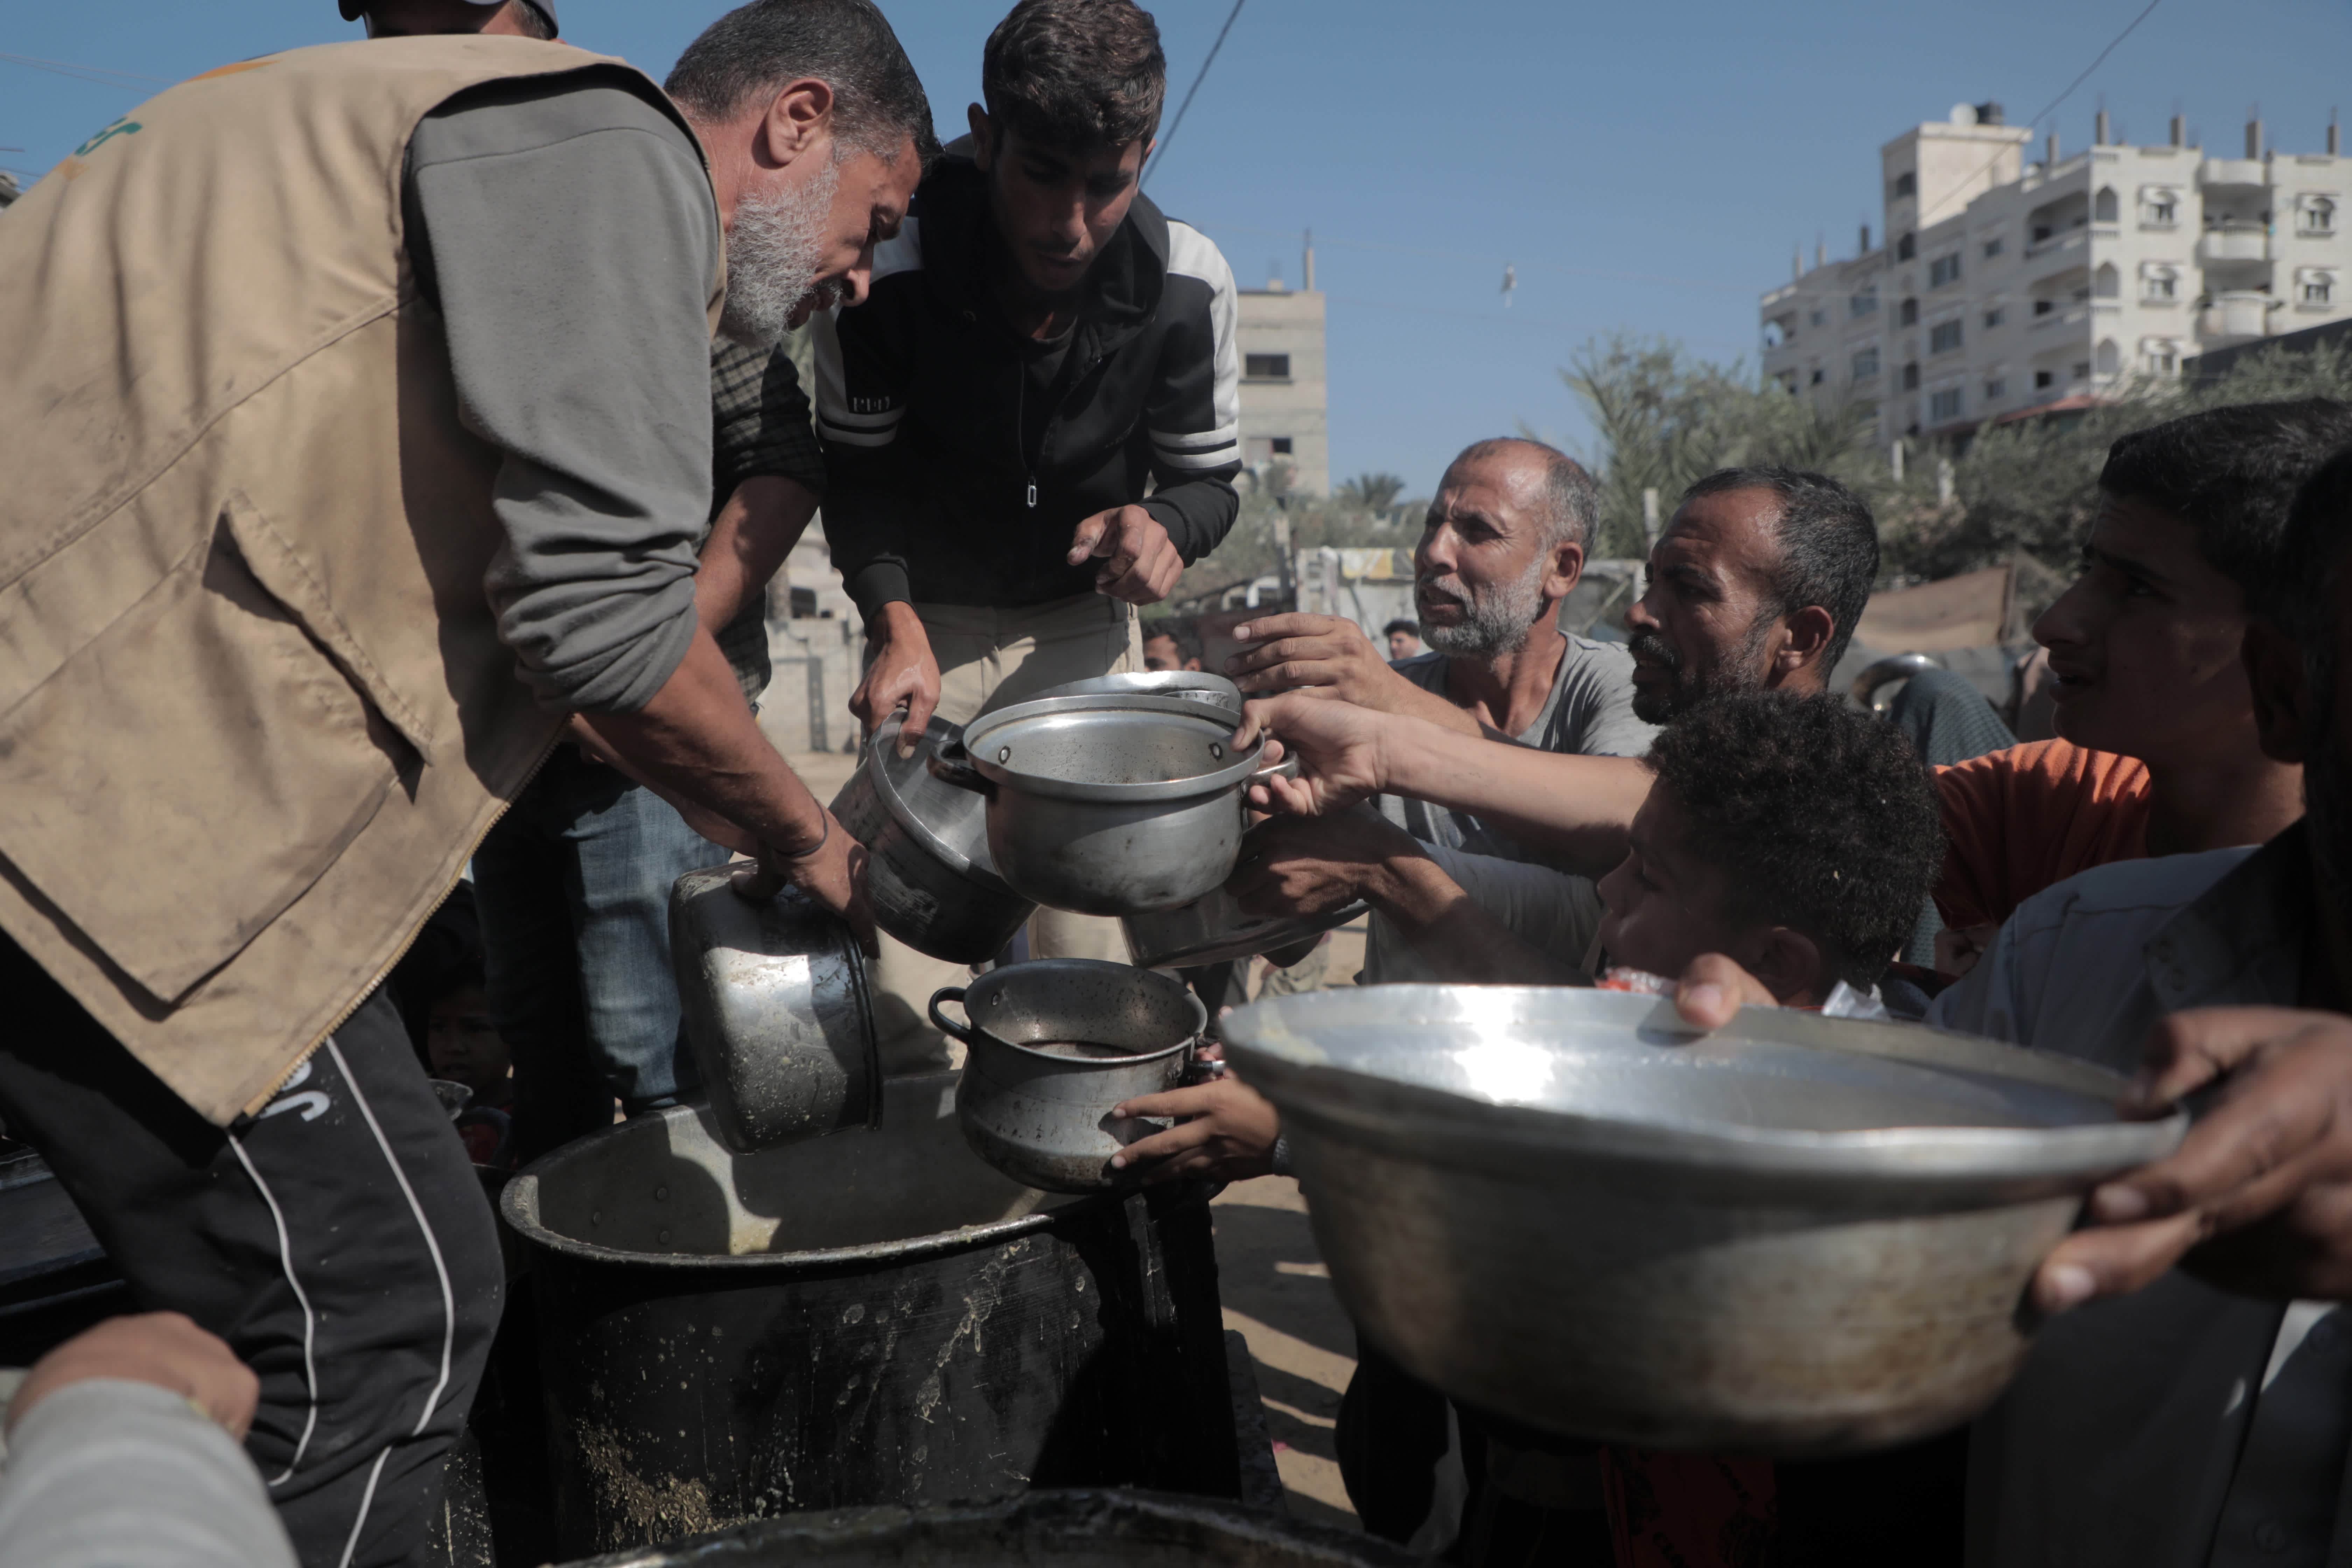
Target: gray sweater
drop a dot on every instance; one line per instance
(567, 234)
(109, 1473)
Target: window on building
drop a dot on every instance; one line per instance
(1995, 389)
(2040, 233)
(1265, 367)
(1992, 318)
(1944, 269)
(2082, 370)
(1906, 247)
(2106, 283)
(2159, 356)
(2043, 307)
(2158, 282)
(1908, 316)
(2160, 206)
(1866, 362)
(1820, 317)
(1279, 445)
(1865, 303)
(1911, 376)
(1818, 378)
(2315, 214)
(1944, 337)
(2111, 358)
(2103, 206)
(2314, 287)
(1992, 248)
(2045, 378)
(1944, 405)
(1907, 184)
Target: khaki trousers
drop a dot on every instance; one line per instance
(990, 659)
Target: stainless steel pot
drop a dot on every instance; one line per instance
(1798, 1235)
(776, 1012)
(927, 872)
(1214, 927)
(1107, 805)
(1049, 1047)
(1194, 685)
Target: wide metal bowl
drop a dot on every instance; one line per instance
(1795, 1235)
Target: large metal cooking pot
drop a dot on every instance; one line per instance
(1107, 805)
(1194, 685)
(877, 1318)
(927, 872)
(1049, 1047)
(776, 1012)
(1071, 1528)
(1214, 927)
(1797, 1235)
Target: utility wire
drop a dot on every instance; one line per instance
(1231, 17)
(103, 76)
(2052, 106)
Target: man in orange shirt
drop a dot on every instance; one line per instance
(2157, 753)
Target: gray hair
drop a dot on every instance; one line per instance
(1571, 499)
(878, 101)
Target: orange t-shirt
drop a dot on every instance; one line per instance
(2021, 820)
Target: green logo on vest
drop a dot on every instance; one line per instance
(122, 127)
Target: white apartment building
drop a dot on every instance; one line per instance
(2007, 286)
(1286, 415)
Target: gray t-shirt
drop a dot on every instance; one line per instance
(567, 233)
(1589, 713)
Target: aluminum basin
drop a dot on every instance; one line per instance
(1797, 1235)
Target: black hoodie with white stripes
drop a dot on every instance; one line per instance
(948, 482)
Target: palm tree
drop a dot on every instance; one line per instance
(1373, 492)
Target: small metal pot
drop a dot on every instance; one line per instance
(1107, 805)
(1050, 1047)
(927, 872)
(776, 1010)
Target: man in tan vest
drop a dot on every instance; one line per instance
(362, 394)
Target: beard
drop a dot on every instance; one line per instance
(775, 248)
(1495, 621)
(1686, 688)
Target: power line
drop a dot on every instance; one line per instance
(101, 76)
(2052, 106)
(1231, 17)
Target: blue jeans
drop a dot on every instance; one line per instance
(573, 886)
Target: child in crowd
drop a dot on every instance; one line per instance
(465, 1047)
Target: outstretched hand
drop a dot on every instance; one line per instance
(1229, 1138)
(1139, 563)
(2258, 1197)
(1338, 744)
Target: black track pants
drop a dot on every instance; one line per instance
(339, 1241)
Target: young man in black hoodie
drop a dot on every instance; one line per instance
(1031, 424)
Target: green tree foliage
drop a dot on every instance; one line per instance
(2023, 488)
(1370, 492)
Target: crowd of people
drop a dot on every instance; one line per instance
(408, 502)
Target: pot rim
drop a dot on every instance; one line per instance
(519, 1207)
(981, 983)
(1307, 1086)
(1198, 787)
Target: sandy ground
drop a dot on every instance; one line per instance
(1276, 1291)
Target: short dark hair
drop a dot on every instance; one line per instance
(2233, 473)
(1572, 498)
(878, 101)
(1076, 74)
(1829, 545)
(2311, 552)
(1178, 629)
(1820, 815)
(1410, 628)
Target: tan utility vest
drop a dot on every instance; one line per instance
(254, 711)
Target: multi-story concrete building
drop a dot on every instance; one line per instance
(1284, 407)
(2006, 286)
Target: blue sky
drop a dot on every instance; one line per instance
(1644, 167)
